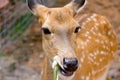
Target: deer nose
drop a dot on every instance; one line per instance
(70, 65)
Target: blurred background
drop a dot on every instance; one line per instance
(21, 52)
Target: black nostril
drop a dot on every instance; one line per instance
(70, 64)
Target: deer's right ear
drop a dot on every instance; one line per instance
(76, 5)
(36, 7)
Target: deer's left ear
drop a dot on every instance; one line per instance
(76, 5)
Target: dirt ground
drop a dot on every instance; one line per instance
(23, 60)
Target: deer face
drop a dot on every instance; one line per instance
(59, 33)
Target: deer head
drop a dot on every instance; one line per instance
(59, 31)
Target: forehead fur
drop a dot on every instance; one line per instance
(60, 15)
(60, 19)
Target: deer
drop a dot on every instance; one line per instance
(83, 45)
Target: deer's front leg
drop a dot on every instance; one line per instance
(44, 70)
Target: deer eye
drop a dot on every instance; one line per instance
(46, 31)
(77, 29)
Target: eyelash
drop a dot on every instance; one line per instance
(77, 29)
(46, 31)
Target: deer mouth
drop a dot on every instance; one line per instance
(65, 72)
(62, 70)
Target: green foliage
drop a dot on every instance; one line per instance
(56, 70)
(20, 25)
(1, 54)
(22, 0)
